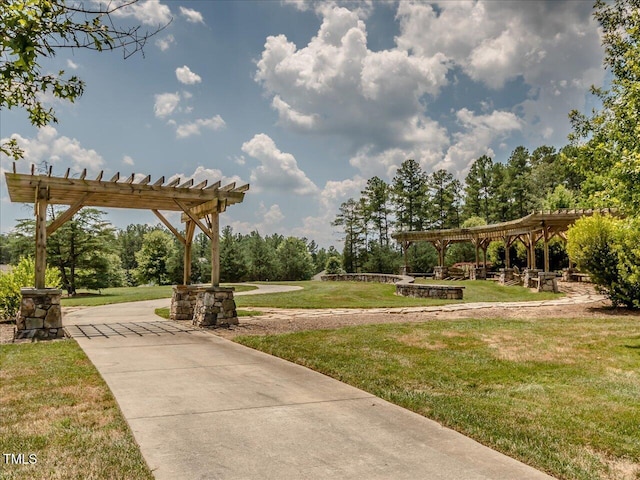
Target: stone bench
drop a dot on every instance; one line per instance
(417, 290)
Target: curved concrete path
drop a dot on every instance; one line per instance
(202, 407)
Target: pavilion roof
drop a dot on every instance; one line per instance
(124, 192)
(534, 222)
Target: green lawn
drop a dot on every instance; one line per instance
(374, 295)
(127, 294)
(55, 405)
(558, 394)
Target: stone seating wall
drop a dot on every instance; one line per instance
(404, 285)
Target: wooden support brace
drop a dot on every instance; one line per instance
(170, 227)
(204, 229)
(67, 214)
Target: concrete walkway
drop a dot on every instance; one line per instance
(202, 407)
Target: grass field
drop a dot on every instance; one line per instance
(375, 295)
(558, 394)
(55, 405)
(127, 294)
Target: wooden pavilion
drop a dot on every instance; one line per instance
(529, 230)
(200, 205)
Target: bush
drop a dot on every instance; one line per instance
(333, 265)
(609, 250)
(22, 275)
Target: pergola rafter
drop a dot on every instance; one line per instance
(195, 202)
(529, 230)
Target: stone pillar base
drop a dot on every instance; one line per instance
(506, 275)
(215, 307)
(567, 274)
(440, 273)
(529, 275)
(548, 282)
(183, 301)
(477, 273)
(40, 314)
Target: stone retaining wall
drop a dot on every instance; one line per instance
(366, 277)
(447, 292)
(40, 314)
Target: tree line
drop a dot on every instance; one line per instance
(89, 252)
(415, 200)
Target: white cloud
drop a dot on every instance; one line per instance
(71, 64)
(49, 146)
(186, 76)
(127, 160)
(193, 128)
(479, 131)
(212, 175)
(279, 170)
(192, 16)
(165, 43)
(165, 104)
(150, 12)
(379, 102)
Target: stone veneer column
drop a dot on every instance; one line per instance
(548, 282)
(478, 273)
(506, 275)
(529, 275)
(440, 273)
(215, 307)
(40, 314)
(183, 301)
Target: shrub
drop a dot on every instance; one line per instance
(609, 250)
(334, 265)
(22, 275)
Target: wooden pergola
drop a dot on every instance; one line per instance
(200, 205)
(529, 230)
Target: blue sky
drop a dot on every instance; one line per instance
(307, 100)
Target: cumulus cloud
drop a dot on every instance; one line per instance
(186, 76)
(279, 170)
(165, 43)
(151, 12)
(194, 128)
(71, 64)
(165, 104)
(127, 160)
(192, 16)
(49, 146)
(379, 102)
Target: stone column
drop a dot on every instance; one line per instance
(183, 302)
(506, 275)
(478, 273)
(440, 273)
(215, 307)
(40, 314)
(548, 282)
(529, 275)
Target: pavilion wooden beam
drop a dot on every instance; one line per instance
(215, 249)
(41, 236)
(67, 214)
(169, 226)
(197, 221)
(189, 231)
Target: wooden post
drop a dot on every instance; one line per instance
(405, 248)
(215, 249)
(41, 236)
(475, 244)
(189, 231)
(545, 233)
(507, 247)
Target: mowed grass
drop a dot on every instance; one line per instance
(109, 296)
(562, 395)
(55, 405)
(376, 295)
